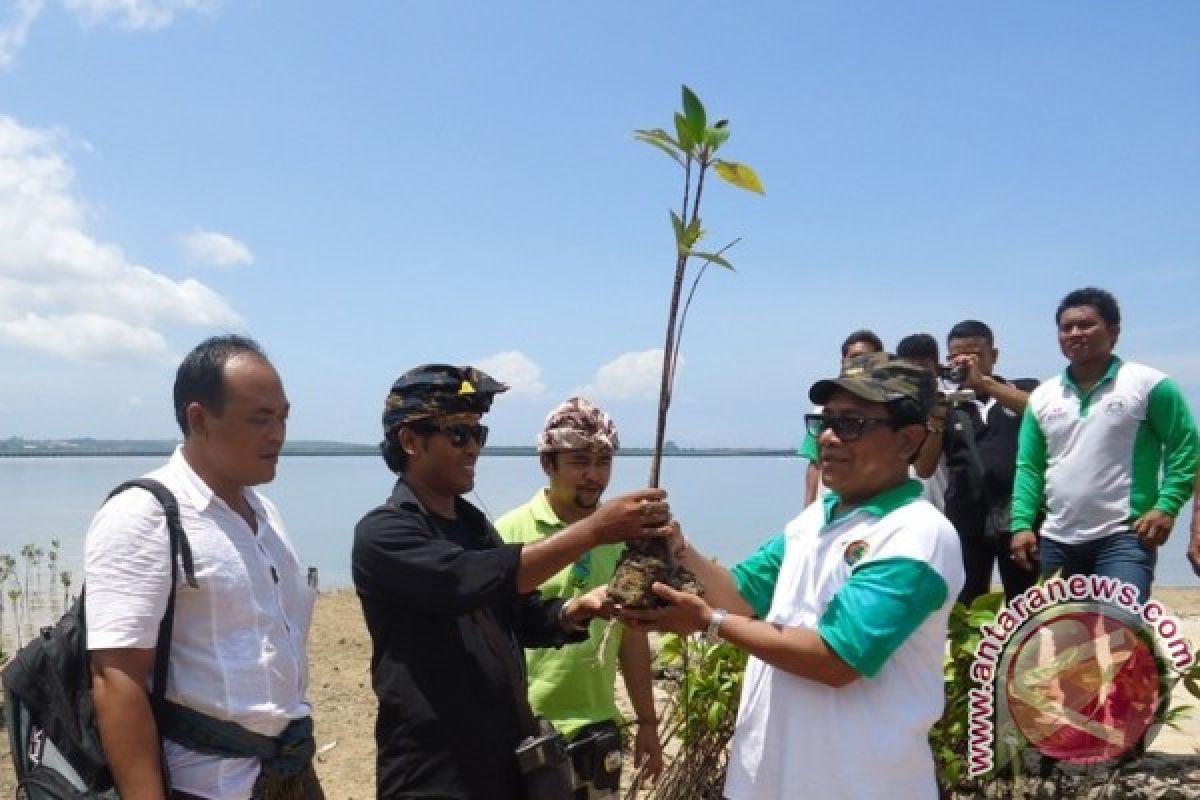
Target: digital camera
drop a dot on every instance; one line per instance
(954, 373)
(545, 769)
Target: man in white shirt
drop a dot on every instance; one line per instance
(238, 666)
(844, 614)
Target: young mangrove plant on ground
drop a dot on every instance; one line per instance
(707, 680)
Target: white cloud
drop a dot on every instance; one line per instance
(66, 293)
(18, 16)
(14, 27)
(516, 369)
(218, 249)
(628, 376)
(136, 14)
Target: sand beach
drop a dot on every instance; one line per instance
(345, 706)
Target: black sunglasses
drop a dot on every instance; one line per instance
(458, 434)
(848, 429)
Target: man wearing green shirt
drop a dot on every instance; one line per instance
(573, 686)
(1108, 449)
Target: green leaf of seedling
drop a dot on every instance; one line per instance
(981, 617)
(663, 141)
(677, 224)
(715, 137)
(716, 715)
(693, 111)
(740, 175)
(715, 259)
(686, 140)
(1193, 686)
(722, 123)
(993, 602)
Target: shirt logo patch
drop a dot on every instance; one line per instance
(1115, 406)
(855, 552)
(1055, 413)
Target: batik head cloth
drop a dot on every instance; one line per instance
(576, 424)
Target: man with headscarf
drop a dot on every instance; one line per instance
(573, 686)
(448, 605)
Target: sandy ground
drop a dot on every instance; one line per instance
(345, 706)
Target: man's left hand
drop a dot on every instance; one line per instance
(1153, 527)
(581, 610)
(647, 750)
(684, 614)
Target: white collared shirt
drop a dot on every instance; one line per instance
(238, 650)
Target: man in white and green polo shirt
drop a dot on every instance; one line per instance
(844, 614)
(573, 686)
(1107, 449)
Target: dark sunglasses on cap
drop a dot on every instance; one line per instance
(847, 429)
(459, 433)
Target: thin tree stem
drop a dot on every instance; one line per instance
(688, 304)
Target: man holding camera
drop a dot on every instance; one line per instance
(449, 606)
(975, 426)
(573, 686)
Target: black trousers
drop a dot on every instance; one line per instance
(980, 554)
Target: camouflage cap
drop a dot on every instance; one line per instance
(576, 424)
(435, 390)
(879, 378)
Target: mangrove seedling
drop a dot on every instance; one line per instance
(693, 147)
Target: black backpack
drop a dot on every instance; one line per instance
(49, 711)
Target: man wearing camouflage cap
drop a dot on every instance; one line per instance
(448, 604)
(573, 686)
(844, 614)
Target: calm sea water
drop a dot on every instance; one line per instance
(728, 505)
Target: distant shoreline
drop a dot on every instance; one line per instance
(371, 451)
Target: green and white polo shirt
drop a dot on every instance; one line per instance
(877, 583)
(572, 686)
(1097, 460)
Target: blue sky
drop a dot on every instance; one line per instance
(367, 186)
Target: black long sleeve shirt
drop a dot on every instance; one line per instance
(448, 721)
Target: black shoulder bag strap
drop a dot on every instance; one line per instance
(180, 551)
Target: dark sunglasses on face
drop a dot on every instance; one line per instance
(847, 429)
(460, 433)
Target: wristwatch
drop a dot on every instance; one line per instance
(566, 624)
(713, 633)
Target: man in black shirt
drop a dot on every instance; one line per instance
(448, 606)
(979, 440)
